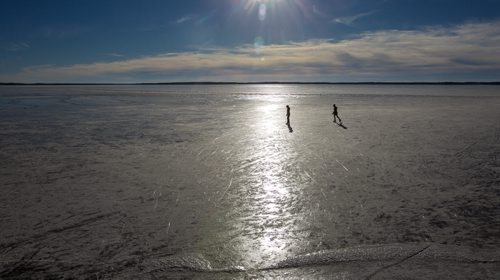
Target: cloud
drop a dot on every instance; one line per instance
(61, 32)
(183, 19)
(115, 54)
(197, 19)
(17, 46)
(466, 48)
(351, 19)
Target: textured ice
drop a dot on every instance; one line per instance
(146, 181)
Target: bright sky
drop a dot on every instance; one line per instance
(249, 40)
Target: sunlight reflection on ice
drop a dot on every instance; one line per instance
(267, 123)
(270, 199)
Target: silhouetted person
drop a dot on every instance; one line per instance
(290, 129)
(288, 119)
(287, 114)
(336, 114)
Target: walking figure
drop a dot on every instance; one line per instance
(336, 114)
(287, 114)
(288, 119)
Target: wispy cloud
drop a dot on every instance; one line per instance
(17, 46)
(61, 32)
(459, 49)
(349, 20)
(115, 55)
(184, 19)
(196, 18)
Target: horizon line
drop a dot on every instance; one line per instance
(261, 82)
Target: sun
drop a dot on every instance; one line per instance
(262, 6)
(251, 5)
(289, 9)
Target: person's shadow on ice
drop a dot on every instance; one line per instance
(341, 125)
(336, 116)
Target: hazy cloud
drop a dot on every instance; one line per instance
(183, 19)
(196, 18)
(349, 20)
(17, 46)
(61, 32)
(463, 48)
(115, 54)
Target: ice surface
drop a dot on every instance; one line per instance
(128, 181)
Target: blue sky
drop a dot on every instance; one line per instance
(249, 40)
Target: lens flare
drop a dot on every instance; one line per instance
(258, 43)
(275, 21)
(262, 11)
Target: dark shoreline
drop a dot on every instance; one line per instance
(256, 83)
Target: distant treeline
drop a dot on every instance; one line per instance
(257, 83)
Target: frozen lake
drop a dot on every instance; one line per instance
(209, 181)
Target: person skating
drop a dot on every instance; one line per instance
(287, 114)
(336, 114)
